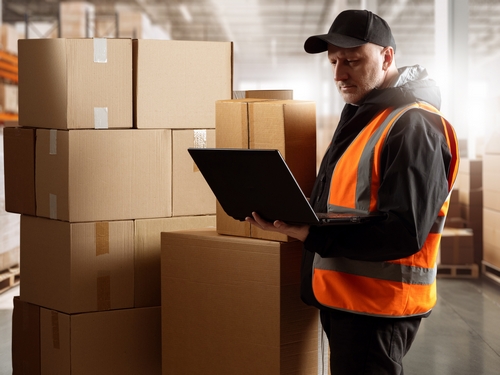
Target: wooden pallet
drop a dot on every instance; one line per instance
(456, 271)
(9, 278)
(490, 271)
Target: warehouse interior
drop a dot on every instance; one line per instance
(258, 51)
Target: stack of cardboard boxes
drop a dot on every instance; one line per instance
(232, 295)
(491, 186)
(98, 169)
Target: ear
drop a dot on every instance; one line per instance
(388, 56)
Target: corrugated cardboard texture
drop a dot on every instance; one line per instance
(19, 170)
(286, 125)
(60, 84)
(101, 343)
(175, 88)
(25, 338)
(66, 269)
(191, 194)
(234, 302)
(103, 175)
(147, 253)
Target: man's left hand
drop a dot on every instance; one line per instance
(299, 232)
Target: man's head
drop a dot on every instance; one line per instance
(353, 28)
(360, 49)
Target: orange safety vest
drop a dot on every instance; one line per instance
(398, 288)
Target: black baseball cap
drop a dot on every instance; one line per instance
(353, 28)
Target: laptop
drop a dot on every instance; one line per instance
(247, 180)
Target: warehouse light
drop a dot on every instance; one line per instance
(185, 12)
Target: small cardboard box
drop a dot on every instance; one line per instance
(9, 98)
(147, 253)
(457, 246)
(286, 125)
(19, 170)
(25, 338)
(75, 19)
(491, 181)
(126, 342)
(90, 175)
(9, 37)
(191, 194)
(75, 83)
(263, 94)
(77, 267)
(491, 233)
(177, 89)
(231, 300)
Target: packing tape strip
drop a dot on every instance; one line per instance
(100, 117)
(52, 142)
(199, 141)
(101, 238)
(103, 290)
(56, 342)
(100, 50)
(52, 206)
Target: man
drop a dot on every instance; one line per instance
(392, 152)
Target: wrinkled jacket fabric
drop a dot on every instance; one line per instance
(414, 166)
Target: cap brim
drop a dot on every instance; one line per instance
(319, 43)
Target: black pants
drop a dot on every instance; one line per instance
(365, 345)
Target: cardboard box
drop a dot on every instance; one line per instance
(25, 338)
(491, 233)
(147, 253)
(457, 246)
(19, 170)
(232, 300)
(133, 24)
(75, 83)
(263, 94)
(454, 207)
(77, 267)
(124, 342)
(76, 19)
(175, 88)
(491, 181)
(8, 98)
(191, 194)
(89, 175)
(9, 37)
(286, 125)
(492, 146)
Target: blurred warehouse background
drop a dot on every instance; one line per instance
(457, 41)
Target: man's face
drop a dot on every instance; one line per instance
(357, 71)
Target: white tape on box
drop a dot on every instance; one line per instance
(100, 117)
(100, 50)
(53, 142)
(200, 138)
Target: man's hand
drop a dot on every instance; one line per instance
(299, 232)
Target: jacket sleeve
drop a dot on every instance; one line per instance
(414, 185)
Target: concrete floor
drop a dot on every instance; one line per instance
(461, 337)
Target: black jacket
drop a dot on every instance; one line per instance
(414, 168)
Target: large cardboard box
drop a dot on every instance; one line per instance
(77, 267)
(191, 194)
(90, 175)
(491, 181)
(286, 125)
(125, 342)
(491, 233)
(148, 249)
(25, 338)
(19, 170)
(457, 246)
(235, 302)
(78, 83)
(175, 88)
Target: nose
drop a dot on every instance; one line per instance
(339, 72)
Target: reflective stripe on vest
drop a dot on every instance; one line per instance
(404, 287)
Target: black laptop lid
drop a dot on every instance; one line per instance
(245, 180)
